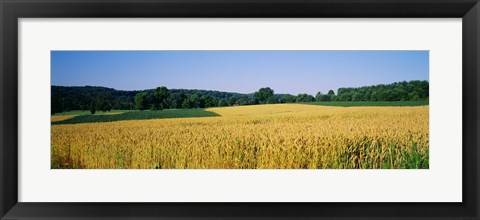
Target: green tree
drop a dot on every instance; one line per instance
(287, 98)
(191, 102)
(373, 96)
(272, 100)
(56, 106)
(305, 98)
(103, 103)
(141, 102)
(232, 101)
(222, 103)
(357, 97)
(263, 95)
(93, 107)
(207, 101)
(161, 98)
(107, 107)
(243, 100)
(323, 98)
(177, 99)
(320, 97)
(414, 96)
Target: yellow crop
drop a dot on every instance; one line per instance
(61, 117)
(281, 136)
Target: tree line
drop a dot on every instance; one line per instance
(105, 99)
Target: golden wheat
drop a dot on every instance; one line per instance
(281, 136)
(61, 117)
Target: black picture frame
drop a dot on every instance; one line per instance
(12, 10)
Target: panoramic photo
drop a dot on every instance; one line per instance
(239, 109)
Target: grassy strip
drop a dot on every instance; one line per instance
(351, 104)
(139, 115)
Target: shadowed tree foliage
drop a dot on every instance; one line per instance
(305, 98)
(161, 98)
(177, 99)
(264, 95)
(287, 98)
(103, 102)
(93, 107)
(323, 97)
(141, 101)
(191, 102)
(244, 100)
(233, 101)
(56, 105)
(222, 103)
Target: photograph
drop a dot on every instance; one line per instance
(239, 109)
(282, 109)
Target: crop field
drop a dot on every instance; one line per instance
(280, 136)
(131, 115)
(57, 118)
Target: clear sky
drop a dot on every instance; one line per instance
(291, 72)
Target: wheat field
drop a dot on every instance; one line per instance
(280, 136)
(55, 118)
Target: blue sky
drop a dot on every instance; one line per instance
(291, 72)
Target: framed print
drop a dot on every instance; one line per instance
(225, 109)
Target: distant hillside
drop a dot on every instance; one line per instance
(65, 98)
(400, 91)
(79, 97)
